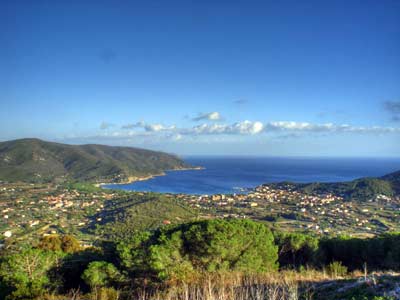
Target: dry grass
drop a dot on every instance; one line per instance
(283, 285)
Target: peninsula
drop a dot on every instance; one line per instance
(35, 160)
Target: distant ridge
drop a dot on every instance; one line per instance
(35, 160)
(366, 188)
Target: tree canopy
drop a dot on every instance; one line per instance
(178, 252)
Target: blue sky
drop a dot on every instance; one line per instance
(287, 78)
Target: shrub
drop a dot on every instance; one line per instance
(50, 243)
(336, 269)
(66, 243)
(108, 294)
(70, 244)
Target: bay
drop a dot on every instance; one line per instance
(233, 174)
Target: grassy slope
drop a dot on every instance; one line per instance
(36, 160)
(139, 212)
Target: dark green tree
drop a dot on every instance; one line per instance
(231, 245)
(100, 274)
(26, 272)
(296, 249)
(179, 252)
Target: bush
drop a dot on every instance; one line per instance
(107, 294)
(66, 243)
(50, 243)
(70, 244)
(336, 269)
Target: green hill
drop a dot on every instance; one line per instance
(362, 189)
(35, 160)
(394, 180)
(134, 212)
(358, 189)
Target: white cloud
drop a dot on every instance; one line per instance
(211, 116)
(299, 126)
(252, 128)
(242, 128)
(328, 127)
(158, 127)
(148, 127)
(147, 133)
(248, 127)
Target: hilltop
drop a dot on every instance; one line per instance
(35, 160)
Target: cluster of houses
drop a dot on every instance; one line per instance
(27, 207)
(322, 213)
(24, 207)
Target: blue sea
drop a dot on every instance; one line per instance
(233, 174)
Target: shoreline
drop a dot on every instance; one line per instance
(132, 179)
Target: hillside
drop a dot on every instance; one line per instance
(394, 180)
(363, 188)
(131, 212)
(358, 189)
(34, 160)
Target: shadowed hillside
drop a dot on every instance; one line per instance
(36, 160)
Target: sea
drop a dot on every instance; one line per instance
(228, 175)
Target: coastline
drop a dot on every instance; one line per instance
(132, 179)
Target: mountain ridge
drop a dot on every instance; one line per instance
(33, 159)
(365, 188)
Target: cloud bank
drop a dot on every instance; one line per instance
(284, 129)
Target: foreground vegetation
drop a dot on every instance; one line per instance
(209, 259)
(77, 241)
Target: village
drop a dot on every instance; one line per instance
(29, 210)
(293, 210)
